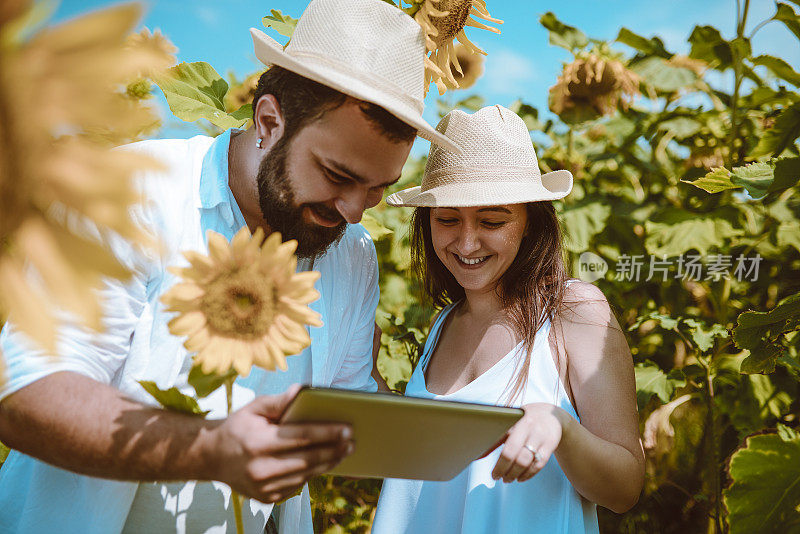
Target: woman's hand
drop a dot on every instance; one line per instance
(539, 430)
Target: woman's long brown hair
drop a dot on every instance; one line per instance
(531, 290)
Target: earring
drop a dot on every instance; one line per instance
(258, 142)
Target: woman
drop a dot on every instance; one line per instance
(514, 331)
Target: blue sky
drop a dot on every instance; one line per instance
(521, 63)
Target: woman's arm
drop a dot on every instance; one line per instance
(602, 455)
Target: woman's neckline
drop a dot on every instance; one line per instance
(469, 384)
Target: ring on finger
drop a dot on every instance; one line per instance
(533, 451)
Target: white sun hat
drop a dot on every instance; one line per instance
(367, 49)
(498, 165)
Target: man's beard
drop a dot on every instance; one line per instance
(276, 199)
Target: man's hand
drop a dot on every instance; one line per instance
(268, 461)
(73, 422)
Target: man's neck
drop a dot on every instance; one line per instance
(242, 171)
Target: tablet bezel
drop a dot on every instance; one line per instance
(405, 437)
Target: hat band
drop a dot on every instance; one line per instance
(456, 175)
(377, 82)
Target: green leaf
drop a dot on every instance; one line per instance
(528, 113)
(283, 24)
(673, 231)
(172, 398)
(704, 336)
(756, 178)
(789, 18)
(651, 380)
(787, 433)
(759, 178)
(782, 134)
(787, 174)
(376, 230)
(681, 127)
(709, 46)
(788, 234)
(661, 75)
(741, 49)
(245, 112)
(760, 332)
(195, 91)
(665, 321)
(715, 181)
(765, 492)
(204, 384)
(562, 34)
(779, 67)
(583, 221)
(649, 47)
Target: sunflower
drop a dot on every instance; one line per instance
(243, 304)
(60, 107)
(443, 22)
(469, 67)
(592, 86)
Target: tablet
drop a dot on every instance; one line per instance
(404, 437)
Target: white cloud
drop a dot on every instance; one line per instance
(207, 15)
(508, 72)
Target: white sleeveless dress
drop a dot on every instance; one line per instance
(473, 502)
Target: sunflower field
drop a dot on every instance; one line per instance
(684, 213)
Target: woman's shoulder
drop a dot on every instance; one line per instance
(584, 311)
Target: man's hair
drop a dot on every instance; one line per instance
(303, 101)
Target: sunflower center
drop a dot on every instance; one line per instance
(240, 304)
(453, 22)
(589, 84)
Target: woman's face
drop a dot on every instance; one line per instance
(478, 244)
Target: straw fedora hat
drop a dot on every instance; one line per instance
(498, 165)
(367, 49)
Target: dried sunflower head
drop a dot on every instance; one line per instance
(443, 22)
(243, 304)
(468, 68)
(592, 86)
(60, 104)
(684, 62)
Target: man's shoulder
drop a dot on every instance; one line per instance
(170, 149)
(169, 188)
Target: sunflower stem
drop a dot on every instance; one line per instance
(236, 499)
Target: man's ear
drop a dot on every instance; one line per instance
(268, 121)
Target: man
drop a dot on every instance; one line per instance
(334, 120)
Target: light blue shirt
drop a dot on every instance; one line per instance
(185, 199)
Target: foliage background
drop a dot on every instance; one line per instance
(717, 376)
(709, 373)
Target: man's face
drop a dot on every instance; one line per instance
(325, 176)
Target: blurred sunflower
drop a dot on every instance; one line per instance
(243, 304)
(468, 67)
(141, 87)
(62, 100)
(443, 22)
(592, 86)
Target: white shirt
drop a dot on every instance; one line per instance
(183, 201)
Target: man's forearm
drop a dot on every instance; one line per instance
(76, 423)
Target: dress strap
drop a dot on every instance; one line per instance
(433, 334)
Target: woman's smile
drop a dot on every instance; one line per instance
(477, 244)
(475, 262)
